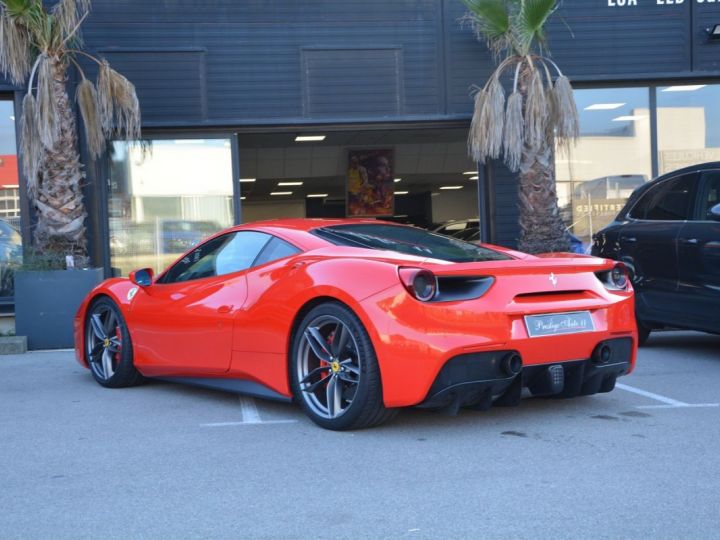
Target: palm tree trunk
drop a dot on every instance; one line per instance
(541, 228)
(59, 203)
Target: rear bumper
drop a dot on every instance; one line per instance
(480, 379)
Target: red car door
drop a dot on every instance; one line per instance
(182, 325)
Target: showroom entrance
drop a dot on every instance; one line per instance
(170, 193)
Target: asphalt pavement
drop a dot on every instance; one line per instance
(167, 461)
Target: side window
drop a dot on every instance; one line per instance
(223, 255)
(240, 252)
(711, 193)
(669, 201)
(199, 263)
(274, 250)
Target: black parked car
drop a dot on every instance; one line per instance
(668, 234)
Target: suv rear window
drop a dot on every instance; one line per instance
(408, 240)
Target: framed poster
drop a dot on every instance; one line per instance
(370, 186)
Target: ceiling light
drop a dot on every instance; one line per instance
(469, 173)
(451, 187)
(290, 183)
(243, 198)
(687, 88)
(398, 179)
(473, 178)
(629, 118)
(281, 193)
(248, 179)
(401, 192)
(317, 195)
(604, 106)
(308, 138)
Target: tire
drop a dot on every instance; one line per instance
(334, 372)
(643, 332)
(108, 348)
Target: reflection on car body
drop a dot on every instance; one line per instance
(668, 234)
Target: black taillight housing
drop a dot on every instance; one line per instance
(420, 283)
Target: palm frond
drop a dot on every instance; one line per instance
(491, 21)
(485, 139)
(87, 101)
(118, 103)
(514, 129)
(536, 108)
(530, 22)
(47, 114)
(68, 15)
(567, 126)
(15, 49)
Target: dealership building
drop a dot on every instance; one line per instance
(264, 109)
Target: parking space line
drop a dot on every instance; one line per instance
(250, 413)
(684, 406)
(250, 416)
(223, 424)
(669, 403)
(656, 397)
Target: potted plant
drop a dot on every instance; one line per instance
(38, 47)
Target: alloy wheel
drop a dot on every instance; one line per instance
(104, 341)
(328, 366)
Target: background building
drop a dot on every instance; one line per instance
(227, 88)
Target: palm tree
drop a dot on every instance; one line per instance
(39, 45)
(539, 113)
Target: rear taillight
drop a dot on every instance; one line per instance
(615, 279)
(420, 283)
(619, 276)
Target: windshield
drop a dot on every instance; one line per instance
(409, 240)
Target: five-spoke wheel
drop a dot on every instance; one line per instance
(108, 349)
(334, 372)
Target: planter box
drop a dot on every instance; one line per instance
(46, 302)
(13, 344)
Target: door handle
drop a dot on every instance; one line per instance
(225, 309)
(691, 241)
(628, 239)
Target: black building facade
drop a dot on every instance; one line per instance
(226, 87)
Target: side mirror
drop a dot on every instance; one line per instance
(714, 213)
(142, 277)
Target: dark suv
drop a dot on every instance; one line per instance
(668, 234)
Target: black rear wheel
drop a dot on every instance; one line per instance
(644, 330)
(108, 349)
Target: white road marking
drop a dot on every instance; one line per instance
(685, 406)
(223, 424)
(670, 403)
(250, 414)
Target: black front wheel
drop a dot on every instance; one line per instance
(334, 371)
(108, 349)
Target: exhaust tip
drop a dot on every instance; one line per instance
(511, 364)
(602, 354)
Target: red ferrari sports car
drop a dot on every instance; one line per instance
(357, 318)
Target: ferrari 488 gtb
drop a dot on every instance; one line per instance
(357, 318)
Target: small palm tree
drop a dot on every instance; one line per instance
(39, 46)
(538, 114)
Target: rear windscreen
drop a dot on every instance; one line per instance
(409, 240)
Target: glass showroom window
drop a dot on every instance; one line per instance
(611, 158)
(165, 197)
(688, 130)
(10, 241)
